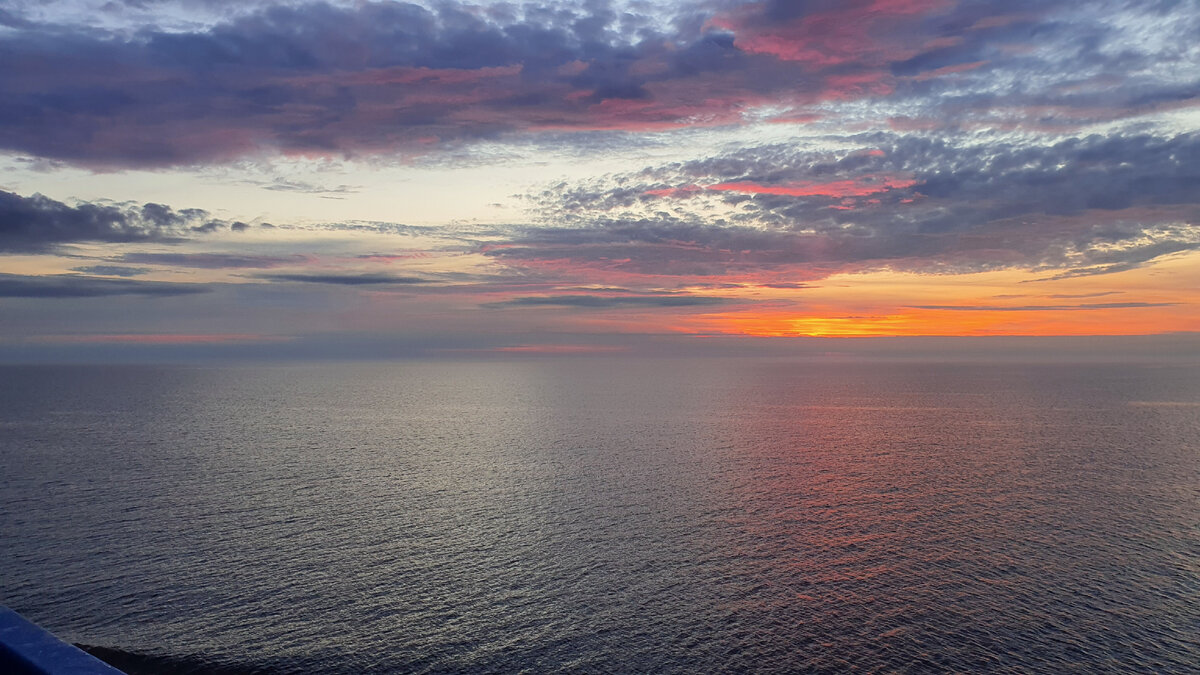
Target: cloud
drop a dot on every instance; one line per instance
(856, 187)
(609, 301)
(215, 260)
(39, 224)
(282, 185)
(855, 33)
(382, 78)
(376, 77)
(344, 279)
(113, 270)
(1045, 308)
(76, 286)
(163, 338)
(1075, 296)
(662, 247)
(1081, 205)
(784, 216)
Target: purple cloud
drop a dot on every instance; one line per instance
(38, 223)
(390, 77)
(78, 286)
(1081, 206)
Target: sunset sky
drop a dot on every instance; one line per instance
(211, 177)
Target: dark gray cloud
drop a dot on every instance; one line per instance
(345, 279)
(38, 223)
(612, 301)
(77, 286)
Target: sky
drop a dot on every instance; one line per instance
(378, 179)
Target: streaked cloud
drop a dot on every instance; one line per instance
(611, 301)
(344, 279)
(1044, 308)
(215, 260)
(162, 338)
(112, 270)
(78, 286)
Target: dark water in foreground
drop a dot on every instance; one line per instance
(607, 516)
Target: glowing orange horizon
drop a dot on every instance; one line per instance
(1146, 301)
(944, 323)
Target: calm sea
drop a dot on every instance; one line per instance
(607, 516)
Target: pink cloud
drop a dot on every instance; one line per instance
(159, 100)
(858, 31)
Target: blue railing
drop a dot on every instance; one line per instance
(27, 649)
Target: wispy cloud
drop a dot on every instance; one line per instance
(113, 270)
(345, 279)
(303, 187)
(163, 338)
(1044, 308)
(376, 78)
(76, 286)
(1084, 206)
(216, 260)
(611, 301)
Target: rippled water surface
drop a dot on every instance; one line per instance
(607, 516)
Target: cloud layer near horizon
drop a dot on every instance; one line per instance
(1088, 205)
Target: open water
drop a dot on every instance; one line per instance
(607, 516)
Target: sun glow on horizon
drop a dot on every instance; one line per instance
(1152, 300)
